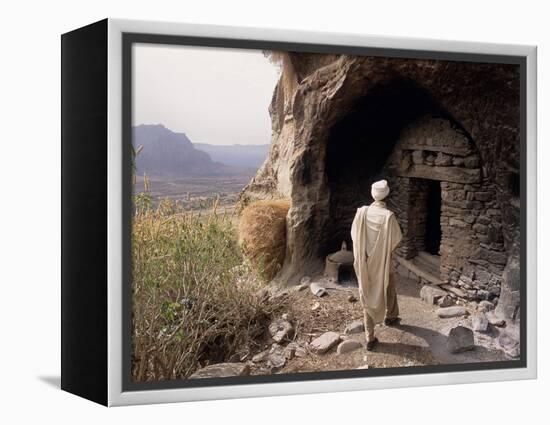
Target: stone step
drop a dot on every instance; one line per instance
(433, 260)
(419, 271)
(426, 266)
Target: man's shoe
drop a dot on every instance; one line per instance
(392, 321)
(372, 344)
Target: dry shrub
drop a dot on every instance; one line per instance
(193, 300)
(262, 235)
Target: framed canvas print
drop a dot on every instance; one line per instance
(252, 212)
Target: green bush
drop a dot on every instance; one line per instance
(194, 302)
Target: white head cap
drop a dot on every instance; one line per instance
(380, 190)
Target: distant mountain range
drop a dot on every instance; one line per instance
(236, 155)
(166, 152)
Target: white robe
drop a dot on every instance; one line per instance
(375, 233)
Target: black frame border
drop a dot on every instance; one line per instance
(129, 39)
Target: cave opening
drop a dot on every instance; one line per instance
(359, 145)
(432, 239)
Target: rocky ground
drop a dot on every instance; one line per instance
(323, 330)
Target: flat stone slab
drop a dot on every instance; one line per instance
(447, 312)
(480, 323)
(460, 339)
(355, 327)
(348, 346)
(324, 343)
(431, 294)
(222, 370)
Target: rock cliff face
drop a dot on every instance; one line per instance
(341, 122)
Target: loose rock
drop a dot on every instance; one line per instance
(494, 320)
(460, 339)
(455, 311)
(431, 294)
(316, 305)
(280, 329)
(324, 343)
(480, 323)
(352, 298)
(276, 358)
(222, 370)
(486, 306)
(348, 345)
(317, 289)
(355, 327)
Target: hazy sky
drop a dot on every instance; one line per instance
(218, 96)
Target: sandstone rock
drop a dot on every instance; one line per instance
(460, 339)
(324, 343)
(355, 327)
(431, 294)
(280, 329)
(480, 323)
(456, 311)
(317, 289)
(348, 345)
(222, 370)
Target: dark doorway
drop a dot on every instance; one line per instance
(433, 218)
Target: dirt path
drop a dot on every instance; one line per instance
(419, 339)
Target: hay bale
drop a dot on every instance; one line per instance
(262, 235)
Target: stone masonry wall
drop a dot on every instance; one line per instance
(472, 250)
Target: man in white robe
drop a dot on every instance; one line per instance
(375, 233)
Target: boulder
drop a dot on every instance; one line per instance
(355, 327)
(280, 329)
(348, 346)
(324, 343)
(456, 311)
(431, 294)
(222, 370)
(460, 339)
